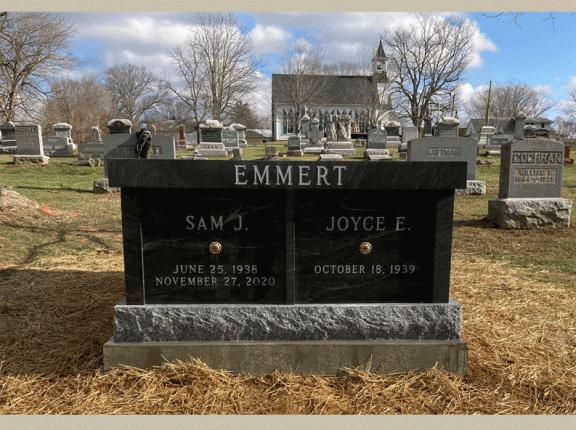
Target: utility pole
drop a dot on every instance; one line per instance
(488, 104)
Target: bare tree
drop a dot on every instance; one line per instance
(509, 99)
(427, 61)
(564, 127)
(190, 87)
(297, 85)
(135, 90)
(33, 48)
(226, 61)
(568, 104)
(81, 103)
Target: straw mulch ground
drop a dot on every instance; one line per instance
(56, 316)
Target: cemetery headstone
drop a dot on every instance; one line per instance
(530, 188)
(182, 144)
(376, 145)
(486, 134)
(434, 149)
(447, 127)
(428, 123)
(269, 152)
(96, 137)
(29, 145)
(241, 129)
(8, 131)
(120, 143)
(313, 141)
(211, 140)
(90, 150)
(392, 134)
(343, 144)
(55, 146)
(230, 139)
(409, 133)
(295, 146)
(252, 266)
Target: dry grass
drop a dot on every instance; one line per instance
(521, 337)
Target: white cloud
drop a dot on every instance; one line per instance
(268, 38)
(142, 30)
(544, 89)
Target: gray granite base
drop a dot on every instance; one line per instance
(527, 213)
(101, 186)
(212, 152)
(304, 357)
(313, 149)
(31, 159)
(305, 322)
(294, 153)
(473, 188)
(8, 149)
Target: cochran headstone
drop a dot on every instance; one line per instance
(434, 149)
(29, 145)
(530, 188)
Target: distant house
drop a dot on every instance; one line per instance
(326, 95)
(506, 126)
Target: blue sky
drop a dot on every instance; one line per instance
(539, 52)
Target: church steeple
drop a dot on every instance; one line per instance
(380, 64)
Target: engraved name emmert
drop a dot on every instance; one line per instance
(287, 175)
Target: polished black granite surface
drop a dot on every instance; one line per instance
(142, 173)
(354, 241)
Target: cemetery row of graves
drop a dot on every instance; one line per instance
(466, 259)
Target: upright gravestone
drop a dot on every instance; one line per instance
(211, 140)
(434, 149)
(121, 143)
(409, 133)
(486, 134)
(230, 139)
(343, 144)
(182, 143)
(90, 150)
(376, 145)
(530, 186)
(60, 145)
(392, 134)
(8, 131)
(8, 138)
(252, 266)
(241, 129)
(428, 124)
(313, 139)
(447, 127)
(29, 145)
(96, 136)
(295, 146)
